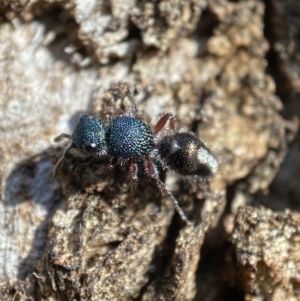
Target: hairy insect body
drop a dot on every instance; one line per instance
(89, 135)
(186, 155)
(132, 141)
(129, 137)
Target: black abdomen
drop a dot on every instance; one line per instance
(187, 155)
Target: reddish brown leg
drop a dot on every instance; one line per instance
(151, 171)
(163, 121)
(119, 112)
(133, 171)
(134, 110)
(109, 167)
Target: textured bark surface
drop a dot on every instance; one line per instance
(228, 71)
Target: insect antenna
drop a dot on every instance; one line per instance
(58, 163)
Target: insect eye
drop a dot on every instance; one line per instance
(90, 147)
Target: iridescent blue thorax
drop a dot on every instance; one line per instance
(129, 137)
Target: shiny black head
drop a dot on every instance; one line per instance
(89, 135)
(129, 137)
(187, 155)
